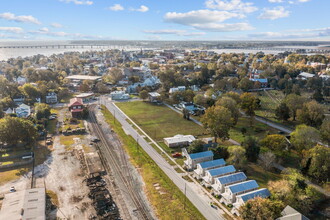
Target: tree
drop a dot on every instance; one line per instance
(17, 130)
(196, 146)
(217, 120)
(304, 137)
(42, 110)
(186, 114)
(325, 131)
(245, 84)
(294, 102)
(267, 160)
(231, 105)
(199, 99)
(275, 142)
(100, 87)
(252, 148)
(233, 95)
(282, 112)
(220, 152)
(318, 95)
(261, 209)
(316, 163)
(30, 92)
(312, 114)
(237, 156)
(143, 94)
(249, 104)
(114, 75)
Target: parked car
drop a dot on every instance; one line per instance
(177, 155)
(12, 189)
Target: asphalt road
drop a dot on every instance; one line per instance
(200, 201)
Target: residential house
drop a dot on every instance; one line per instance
(263, 82)
(305, 76)
(9, 111)
(199, 172)
(229, 196)
(177, 89)
(51, 98)
(119, 95)
(221, 182)
(194, 159)
(23, 111)
(242, 199)
(210, 175)
(290, 213)
(179, 140)
(154, 96)
(86, 97)
(76, 107)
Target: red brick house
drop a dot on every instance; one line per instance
(76, 107)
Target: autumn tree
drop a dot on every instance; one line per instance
(312, 114)
(231, 105)
(275, 142)
(237, 156)
(316, 163)
(261, 209)
(325, 131)
(304, 137)
(249, 104)
(267, 160)
(114, 75)
(218, 121)
(42, 110)
(294, 102)
(17, 130)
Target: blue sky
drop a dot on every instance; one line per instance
(165, 20)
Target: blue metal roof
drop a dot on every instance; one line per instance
(201, 155)
(240, 187)
(260, 80)
(222, 170)
(263, 193)
(232, 178)
(213, 163)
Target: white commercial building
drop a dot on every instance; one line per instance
(179, 140)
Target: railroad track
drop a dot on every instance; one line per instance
(119, 166)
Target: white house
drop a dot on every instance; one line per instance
(242, 199)
(210, 175)
(177, 89)
(51, 98)
(23, 111)
(221, 182)
(119, 95)
(194, 159)
(305, 76)
(199, 172)
(9, 111)
(179, 140)
(231, 191)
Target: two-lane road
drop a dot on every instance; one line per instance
(199, 199)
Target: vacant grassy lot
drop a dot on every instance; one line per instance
(258, 130)
(168, 201)
(159, 121)
(256, 172)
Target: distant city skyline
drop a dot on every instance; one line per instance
(165, 20)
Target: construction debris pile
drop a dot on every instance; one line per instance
(102, 200)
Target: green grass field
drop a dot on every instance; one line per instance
(168, 201)
(159, 121)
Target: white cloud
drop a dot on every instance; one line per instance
(78, 2)
(142, 8)
(46, 31)
(174, 32)
(275, 13)
(303, 0)
(200, 17)
(20, 18)
(208, 20)
(232, 5)
(11, 29)
(215, 27)
(116, 7)
(275, 1)
(56, 25)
